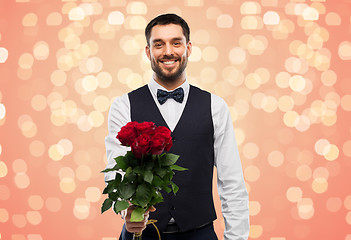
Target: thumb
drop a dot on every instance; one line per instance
(152, 209)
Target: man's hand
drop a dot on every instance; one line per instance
(137, 226)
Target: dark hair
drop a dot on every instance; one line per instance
(166, 19)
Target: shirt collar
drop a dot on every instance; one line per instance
(153, 86)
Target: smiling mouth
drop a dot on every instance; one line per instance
(169, 62)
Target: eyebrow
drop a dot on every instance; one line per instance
(173, 39)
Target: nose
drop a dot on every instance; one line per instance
(168, 49)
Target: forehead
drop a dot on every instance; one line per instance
(166, 32)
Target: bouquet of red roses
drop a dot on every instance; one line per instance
(147, 169)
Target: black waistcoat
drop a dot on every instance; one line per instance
(193, 141)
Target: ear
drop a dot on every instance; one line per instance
(147, 51)
(189, 47)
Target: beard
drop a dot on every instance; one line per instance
(165, 75)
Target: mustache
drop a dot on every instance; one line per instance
(169, 57)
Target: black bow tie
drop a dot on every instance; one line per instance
(177, 95)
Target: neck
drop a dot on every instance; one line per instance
(170, 85)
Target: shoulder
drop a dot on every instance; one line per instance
(120, 102)
(140, 90)
(219, 107)
(218, 101)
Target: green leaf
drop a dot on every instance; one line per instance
(168, 159)
(149, 165)
(168, 177)
(133, 161)
(137, 215)
(144, 194)
(178, 168)
(148, 176)
(110, 187)
(167, 189)
(157, 181)
(122, 162)
(115, 168)
(134, 202)
(113, 196)
(175, 188)
(138, 170)
(107, 187)
(156, 198)
(130, 177)
(120, 205)
(161, 172)
(106, 205)
(126, 190)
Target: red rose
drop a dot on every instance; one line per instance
(168, 144)
(127, 134)
(145, 128)
(166, 134)
(141, 145)
(164, 131)
(158, 144)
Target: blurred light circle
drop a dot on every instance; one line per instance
(319, 185)
(104, 79)
(76, 14)
(35, 202)
(116, 18)
(333, 19)
(294, 194)
(3, 54)
(255, 208)
(81, 208)
(237, 55)
(310, 14)
(19, 220)
(53, 204)
(250, 8)
(297, 83)
(333, 204)
(275, 158)
(4, 215)
(26, 61)
(41, 50)
(22, 180)
(30, 20)
(252, 173)
(89, 83)
(93, 194)
(322, 146)
(3, 169)
(271, 18)
(210, 54)
(67, 185)
(34, 217)
(224, 21)
(332, 153)
(345, 50)
(251, 150)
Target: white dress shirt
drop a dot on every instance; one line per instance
(230, 181)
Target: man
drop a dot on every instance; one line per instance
(202, 134)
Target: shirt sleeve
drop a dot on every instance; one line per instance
(119, 115)
(230, 181)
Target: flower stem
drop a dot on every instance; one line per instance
(137, 236)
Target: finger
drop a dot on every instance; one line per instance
(129, 212)
(152, 209)
(136, 224)
(135, 229)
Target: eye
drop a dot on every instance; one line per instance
(176, 43)
(158, 45)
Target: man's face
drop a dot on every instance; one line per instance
(168, 52)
